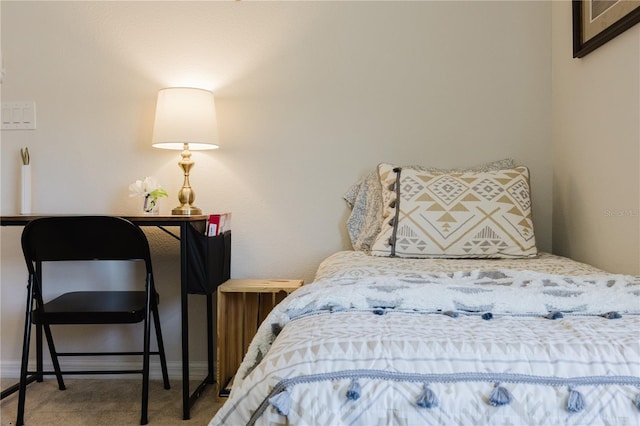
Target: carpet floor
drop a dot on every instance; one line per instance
(111, 402)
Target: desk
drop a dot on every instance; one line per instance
(197, 221)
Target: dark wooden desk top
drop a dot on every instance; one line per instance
(141, 220)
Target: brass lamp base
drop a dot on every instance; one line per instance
(186, 195)
(186, 210)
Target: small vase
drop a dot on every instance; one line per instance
(150, 205)
(25, 189)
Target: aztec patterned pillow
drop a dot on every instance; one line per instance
(365, 200)
(459, 215)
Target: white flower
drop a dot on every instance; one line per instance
(136, 189)
(148, 186)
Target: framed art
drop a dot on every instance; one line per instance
(595, 22)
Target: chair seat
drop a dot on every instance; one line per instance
(93, 307)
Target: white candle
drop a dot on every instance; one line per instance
(25, 189)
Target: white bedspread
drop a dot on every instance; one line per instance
(493, 346)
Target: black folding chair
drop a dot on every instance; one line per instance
(87, 238)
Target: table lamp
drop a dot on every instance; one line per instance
(186, 120)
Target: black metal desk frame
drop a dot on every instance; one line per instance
(160, 221)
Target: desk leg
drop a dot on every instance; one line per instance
(184, 235)
(187, 398)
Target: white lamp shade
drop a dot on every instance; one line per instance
(185, 115)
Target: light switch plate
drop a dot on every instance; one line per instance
(18, 115)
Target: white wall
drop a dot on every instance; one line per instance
(310, 97)
(596, 149)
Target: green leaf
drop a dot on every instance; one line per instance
(159, 193)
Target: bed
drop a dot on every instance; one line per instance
(405, 331)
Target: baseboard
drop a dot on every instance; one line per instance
(197, 370)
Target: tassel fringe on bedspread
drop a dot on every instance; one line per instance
(280, 397)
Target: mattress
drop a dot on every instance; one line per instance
(388, 341)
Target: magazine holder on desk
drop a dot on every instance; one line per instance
(209, 261)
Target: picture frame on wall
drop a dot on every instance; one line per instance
(595, 22)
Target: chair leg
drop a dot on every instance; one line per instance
(22, 393)
(145, 364)
(39, 368)
(54, 356)
(37, 295)
(163, 358)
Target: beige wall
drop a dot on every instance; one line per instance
(596, 149)
(310, 97)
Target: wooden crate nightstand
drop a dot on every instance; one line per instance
(242, 306)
